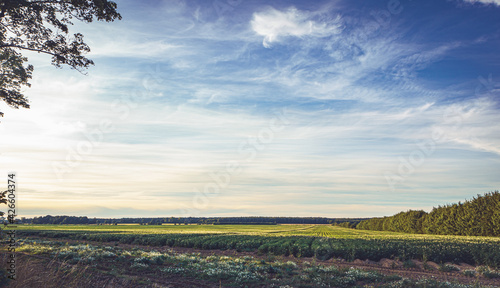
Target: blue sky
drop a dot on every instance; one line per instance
(281, 108)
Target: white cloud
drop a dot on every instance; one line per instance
(497, 2)
(470, 125)
(275, 25)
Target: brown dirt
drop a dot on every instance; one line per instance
(33, 271)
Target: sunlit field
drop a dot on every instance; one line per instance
(321, 241)
(264, 230)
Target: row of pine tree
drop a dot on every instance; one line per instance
(477, 217)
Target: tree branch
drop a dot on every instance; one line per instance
(30, 49)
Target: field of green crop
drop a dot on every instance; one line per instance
(321, 241)
(145, 266)
(278, 230)
(263, 230)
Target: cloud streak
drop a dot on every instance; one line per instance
(495, 2)
(277, 25)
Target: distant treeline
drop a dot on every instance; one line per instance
(191, 220)
(245, 223)
(477, 217)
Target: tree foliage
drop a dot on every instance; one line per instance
(42, 26)
(477, 217)
(3, 200)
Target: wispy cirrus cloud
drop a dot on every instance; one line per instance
(496, 2)
(276, 25)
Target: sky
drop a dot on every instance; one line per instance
(342, 108)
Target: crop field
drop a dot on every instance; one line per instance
(263, 230)
(112, 266)
(251, 256)
(320, 241)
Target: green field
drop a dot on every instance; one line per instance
(320, 241)
(264, 230)
(91, 265)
